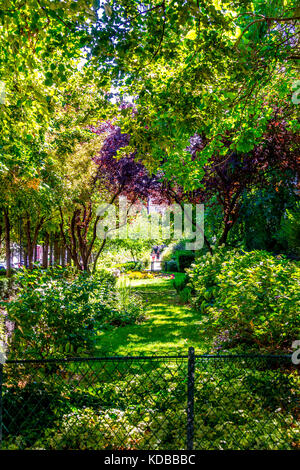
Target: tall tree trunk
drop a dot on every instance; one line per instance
(98, 254)
(7, 242)
(20, 243)
(226, 230)
(68, 258)
(25, 257)
(62, 256)
(45, 251)
(56, 250)
(51, 254)
(30, 257)
(231, 212)
(29, 244)
(1, 231)
(32, 240)
(78, 246)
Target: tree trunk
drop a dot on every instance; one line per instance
(32, 242)
(7, 243)
(25, 257)
(30, 256)
(56, 250)
(98, 254)
(29, 245)
(1, 231)
(225, 233)
(51, 254)
(68, 258)
(63, 256)
(45, 251)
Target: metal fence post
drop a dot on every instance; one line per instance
(190, 399)
(1, 411)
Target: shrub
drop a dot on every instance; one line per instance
(203, 276)
(185, 259)
(289, 234)
(251, 299)
(168, 252)
(125, 267)
(130, 266)
(171, 266)
(7, 287)
(180, 284)
(58, 315)
(180, 281)
(130, 305)
(176, 253)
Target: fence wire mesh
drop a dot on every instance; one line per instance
(238, 402)
(246, 403)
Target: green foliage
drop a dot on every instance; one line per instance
(58, 315)
(203, 277)
(289, 234)
(86, 429)
(268, 216)
(185, 259)
(180, 284)
(130, 266)
(240, 403)
(252, 299)
(171, 266)
(180, 281)
(7, 287)
(203, 75)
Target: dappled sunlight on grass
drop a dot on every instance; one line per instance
(169, 326)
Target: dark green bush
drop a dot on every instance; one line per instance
(289, 234)
(171, 266)
(185, 260)
(180, 284)
(3, 272)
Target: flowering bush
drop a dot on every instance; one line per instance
(250, 298)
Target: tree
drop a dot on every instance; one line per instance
(207, 67)
(228, 179)
(92, 175)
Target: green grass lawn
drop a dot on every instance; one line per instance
(169, 328)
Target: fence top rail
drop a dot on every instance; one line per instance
(154, 357)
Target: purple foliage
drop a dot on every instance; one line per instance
(125, 174)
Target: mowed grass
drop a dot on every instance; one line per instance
(169, 327)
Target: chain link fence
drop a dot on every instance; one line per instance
(154, 403)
